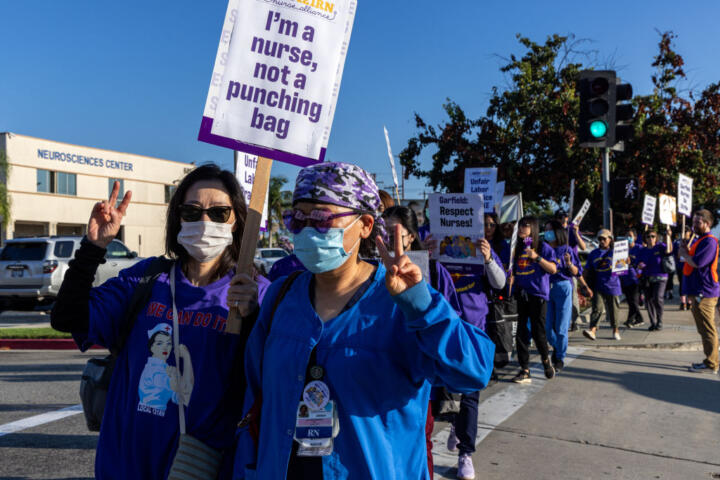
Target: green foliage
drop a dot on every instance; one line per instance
(38, 332)
(529, 133)
(4, 197)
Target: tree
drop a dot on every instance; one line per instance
(276, 203)
(4, 198)
(529, 132)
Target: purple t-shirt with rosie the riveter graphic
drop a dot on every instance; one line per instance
(140, 428)
(529, 275)
(701, 280)
(599, 263)
(652, 258)
(472, 292)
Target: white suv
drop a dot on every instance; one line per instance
(32, 269)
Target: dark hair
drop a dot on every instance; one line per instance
(407, 218)
(151, 340)
(386, 199)
(706, 215)
(560, 232)
(497, 241)
(210, 171)
(534, 233)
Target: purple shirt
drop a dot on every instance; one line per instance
(633, 272)
(599, 262)
(701, 281)
(471, 291)
(530, 276)
(563, 273)
(652, 258)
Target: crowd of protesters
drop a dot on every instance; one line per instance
(347, 346)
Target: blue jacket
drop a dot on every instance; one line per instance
(380, 357)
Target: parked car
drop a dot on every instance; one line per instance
(266, 257)
(32, 269)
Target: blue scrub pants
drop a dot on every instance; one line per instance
(559, 314)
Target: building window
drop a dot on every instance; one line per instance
(56, 182)
(66, 183)
(169, 192)
(121, 192)
(45, 181)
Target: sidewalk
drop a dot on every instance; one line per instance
(678, 331)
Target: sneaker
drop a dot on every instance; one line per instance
(522, 377)
(628, 324)
(652, 328)
(452, 441)
(559, 365)
(549, 370)
(639, 323)
(465, 470)
(574, 327)
(701, 368)
(589, 334)
(616, 336)
(658, 327)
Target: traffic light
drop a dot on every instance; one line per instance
(600, 111)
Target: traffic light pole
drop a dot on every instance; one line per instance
(606, 187)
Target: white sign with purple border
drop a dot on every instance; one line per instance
(277, 77)
(648, 212)
(482, 181)
(685, 186)
(245, 173)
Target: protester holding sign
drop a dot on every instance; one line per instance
(575, 241)
(559, 309)
(573, 236)
(359, 345)
(630, 283)
(598, 271)
(701, 276)
(140, 429)
(531, 275)
(651, 261)
(440, 280)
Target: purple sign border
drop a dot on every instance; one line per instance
(207, 136)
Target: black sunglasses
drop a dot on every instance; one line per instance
(193, 213)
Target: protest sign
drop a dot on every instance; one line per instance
(581, 214)
(685, 186)
(499, 194)
(513, 244)
(392, 165)
(277, 77)
(648, 212)
(421, 258)
(620, 258)
(457, 222)
(510, 209)
(482, 181)
(571, 198)
(245, 167)
(668, 209)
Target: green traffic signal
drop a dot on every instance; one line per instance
(598, 129)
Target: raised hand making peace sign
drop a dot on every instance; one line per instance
(105, 218)
(401, 272)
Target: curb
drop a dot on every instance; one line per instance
(40, 344)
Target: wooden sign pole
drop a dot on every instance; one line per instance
(251, 233)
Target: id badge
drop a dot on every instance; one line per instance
(314, 429)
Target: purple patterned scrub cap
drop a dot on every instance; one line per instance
(341, 184)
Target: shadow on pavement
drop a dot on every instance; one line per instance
(699, 391)
(27, 407)
(41, 367)
(46, 440)
(73, 377)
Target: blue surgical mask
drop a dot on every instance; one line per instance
(550, 236)
(322, 252)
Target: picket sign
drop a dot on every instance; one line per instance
(571, 198)
(483, 181)
(668, 209)
(685, 187)
(581, 214)
(499, 195)
(648, 212)
(620, 256)
(278, 106)
(392, 165)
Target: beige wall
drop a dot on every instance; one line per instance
(145, 220)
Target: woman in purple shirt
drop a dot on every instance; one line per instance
(533, 264)
(598, 272)
(651, 258)
(559, 311)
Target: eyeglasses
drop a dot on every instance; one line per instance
(320, 220)
(193, 213)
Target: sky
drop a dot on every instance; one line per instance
(133, 76)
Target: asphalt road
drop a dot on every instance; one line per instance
(611, 414)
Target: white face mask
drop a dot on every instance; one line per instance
(205, 241)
